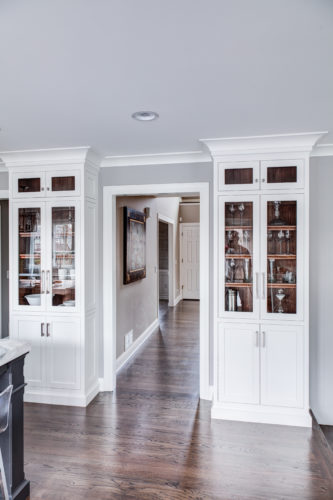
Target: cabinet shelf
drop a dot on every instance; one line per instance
(230, 228)
(239, 285)
(29, 255)
(27, 234)
(281, 228)
(238, 256)
(281, 285)
(281, 256)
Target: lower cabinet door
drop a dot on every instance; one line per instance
(63, 353)
(238, 365)
(32, 330)
(282, 365)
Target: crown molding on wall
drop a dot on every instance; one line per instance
(303, 142)
(52, 156)
(157, 159)
(323, 150)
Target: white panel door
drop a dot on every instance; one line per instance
(190, 260)
(63, 353)
(282, 365)
(32, 330)
(238, 363)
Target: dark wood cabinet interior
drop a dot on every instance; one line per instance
(238, 176)
(66, 183)
(29, 185)
(281, 174)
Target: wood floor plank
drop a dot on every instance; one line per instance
(154, 439)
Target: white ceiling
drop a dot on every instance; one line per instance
(73, 71)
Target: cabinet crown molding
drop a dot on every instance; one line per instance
(49, 157)
(303, 142)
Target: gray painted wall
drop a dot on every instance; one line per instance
(137, 303)
(321, 294)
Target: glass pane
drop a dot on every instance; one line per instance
(281, 174)
(63, 183)
(239, 256)
(281, 256)
(238, 176)
(29, 257)
(29, 185)
(63, 256)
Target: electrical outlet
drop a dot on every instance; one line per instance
(128, 339)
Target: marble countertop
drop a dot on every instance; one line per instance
(11, 349)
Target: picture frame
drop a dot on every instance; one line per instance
(134, 245)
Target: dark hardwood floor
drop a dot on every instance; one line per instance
(154, 439)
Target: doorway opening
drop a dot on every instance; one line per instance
(111, 270)
(163, 266)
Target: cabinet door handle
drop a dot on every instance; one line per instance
(42, 334)
(264, 339)
(48, 282)
(263, 285)
(43, 282)
(257, 285)
(263, 180)
(257, 338)
(48, 332)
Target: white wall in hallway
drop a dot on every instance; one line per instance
(321, 291)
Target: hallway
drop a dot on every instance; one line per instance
(153, 439)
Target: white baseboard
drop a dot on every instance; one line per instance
(297, 418)
(207, 394)
(176, 301)
(125, 356)
(65, 398)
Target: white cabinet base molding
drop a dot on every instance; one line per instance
(54, 272)
(261, 288)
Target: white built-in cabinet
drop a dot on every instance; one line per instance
(261, 339)
(53, 276)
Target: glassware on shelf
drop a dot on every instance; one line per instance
(287, 236)
(280, 296)
(247, 270)
(247, 237)
(271, 277)
(280, 236)
(231, 299)
(241, 208)
(277, 221)
(232, 210)
(230, 237)
(232, 270)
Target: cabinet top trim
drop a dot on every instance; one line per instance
(49, 157)
(263, 144)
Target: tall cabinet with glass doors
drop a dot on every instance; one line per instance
(261, 310)
(53, 295)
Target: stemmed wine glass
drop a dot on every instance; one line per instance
(247, 239)
(270, 242)
(230, 239)
(280, 296)
(232, 265)
(241, 208)
(280, 238)
(287, 235)
(232, 210)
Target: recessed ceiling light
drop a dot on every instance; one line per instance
(145, 116)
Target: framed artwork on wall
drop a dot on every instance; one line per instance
(134, 245)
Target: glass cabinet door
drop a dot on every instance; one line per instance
(240, 256)
(24, 185)
(283, 253)
(30, 277)
(63, 241)
(239, 175)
